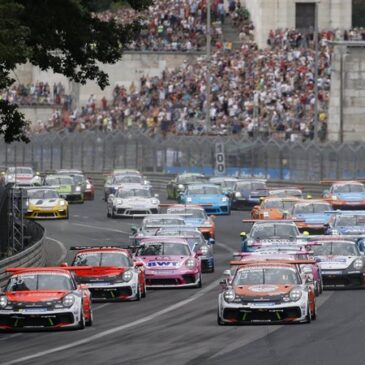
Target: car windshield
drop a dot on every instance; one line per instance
(61, 180)
(286, 192)
(190, 213)
(348, 188)
(311, 208)
(128, 179)
(278, 204)
(41, 281)
(143, 193)
(188, 179)
(20, 170)
(350, 220)
(204, 190)
(164, 248)
(192, 236)
(228, 184)
(267, 231)
(42, 194)
(102, 259)
(336, 249)
(251, 186)
(268, 276)
(158, 222)
(79, 179)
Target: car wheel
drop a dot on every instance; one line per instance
(219, 320)
(144, 293)
(108, 213)
(212, 269)
(113, 214)
(200, 284)
(138, 295)
(82, 320)
(67, 214)
(314, 314)
(90, 321)
(308, 317)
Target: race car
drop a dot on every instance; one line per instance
(109, 273)
(195, 216)
(151, 224)
(132, 200)
(267, 292)
(84, 182)
(341, 263)
(180, 182)
(275, 208)
(45, 203)
(346, 223)
(197, 242)
(114, 182)
(288, 192)
(247, 193)
(20, 176)
(312, 215)
(264, 233)
(210, 196)
(345, 194)
(169, 262)
(40, 298)
(66, 187)
(225, 182)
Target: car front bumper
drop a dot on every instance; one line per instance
(54, 213)
(113, 292)
(218, 209)
(172, 278)
(342, 279)
(121, 211)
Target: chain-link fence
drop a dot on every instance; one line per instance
(280, 160)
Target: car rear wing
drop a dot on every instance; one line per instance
(329, 182)
(313, 239)
(79, 248)
(182, 206)
(272, 221)
(273, 261)
(16, 270)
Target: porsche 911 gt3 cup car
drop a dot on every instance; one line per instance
(20, 176)
(266, 293)
(180, 182)
(45, 203)
(109, 273)
(346, 223)
(37, 298)
(341, 263)
(132, 200)
(247, 193)
(225, 182)
(210, 196)
(169, 262)
(197, 242)
(66, 187)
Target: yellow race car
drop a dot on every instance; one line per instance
(45, 203)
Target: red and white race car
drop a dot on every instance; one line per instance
(169, 262)
(39, 298)
(109, 272)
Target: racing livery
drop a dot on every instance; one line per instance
(45, 203)
(226, 183)
(37, 298)
(346, 223)
(247, 193)
(275, 208)
(169, 262)
(266, 292)
(66, 187)
(20, 176)
(109, 273)
(177, 185)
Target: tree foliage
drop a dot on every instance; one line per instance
(59, 35)
(358, 13)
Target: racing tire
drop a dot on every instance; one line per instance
(113, 215)
(200, 284)
(219, 320)
(82, 321)
(90, 321)
(314, 314)
(67, 215)
(308, 317)
(138, 295)
(144, 293)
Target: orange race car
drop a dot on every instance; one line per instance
(274, 208)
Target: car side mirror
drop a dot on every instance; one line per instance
(64, 264)
(309, 279)
(198, 253)
(111, 196)
(134, 229)
(138, 264)
(211, 241)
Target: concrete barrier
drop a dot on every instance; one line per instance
(34, 255)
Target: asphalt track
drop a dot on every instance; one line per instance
(179, 326)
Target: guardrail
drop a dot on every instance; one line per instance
(160, 180)
(34, 255)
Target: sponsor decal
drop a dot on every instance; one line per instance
(163, 264)
(263, 289)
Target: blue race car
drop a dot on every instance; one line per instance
(346, 223)
(312, 215)
(210, 196)
(346, 195)
(247, 193)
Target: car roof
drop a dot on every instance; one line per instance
(352, 182)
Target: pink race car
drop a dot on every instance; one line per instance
(169, 262)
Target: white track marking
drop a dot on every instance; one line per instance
(10, 336)
(100, 228)
(115, 329)
(101, 306)
(63, 249)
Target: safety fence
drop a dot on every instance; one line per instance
(33, 255)
(278, 160)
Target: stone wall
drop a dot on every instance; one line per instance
(274, 14)
(347, 99)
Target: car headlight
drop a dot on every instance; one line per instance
(224, 199)
(229, 296)
(204, 250)
(68, 300)
(62, 202)
(180, 187)
(237, 194)
(155, 202)
(190, 263)
(295, 295)
(335, 232)
(78, 188)
(358, 264)
(3, 301)
(188, 199)
(127, 276)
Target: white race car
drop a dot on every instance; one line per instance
(132, 200)
(21, 175)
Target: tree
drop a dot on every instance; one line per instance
(60, 35)
(358, 13)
